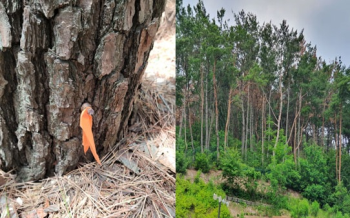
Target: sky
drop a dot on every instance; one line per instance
(326, 23)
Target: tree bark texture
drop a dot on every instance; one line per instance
(54, 56)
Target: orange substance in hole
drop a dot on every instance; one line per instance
(88, 138)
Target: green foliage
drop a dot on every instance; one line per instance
(299, 207)
(341, 199)
(202, 162)
(315, 192)
(315, 206)
(196, 199)
(198, 176)
(181, 162)
(231, 165)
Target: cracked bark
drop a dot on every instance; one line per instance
(54, 56)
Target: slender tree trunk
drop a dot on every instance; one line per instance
(336, 146)
(207, 136)
(181, 123)
(185, 121)
(57, 55)
(243, 121)
(251, 128)
(322, 139)
(287, 117)
(295, 136)
(190, 126)
(202, 107)
(216, 114)
(340, 143)
(279, 115)
(262, 130)
(299, 125)
(269, 137)
(210, 127)
(247, 126)
(228, 116)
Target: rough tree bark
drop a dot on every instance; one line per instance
(54, 56)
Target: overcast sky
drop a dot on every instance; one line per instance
(326, 23)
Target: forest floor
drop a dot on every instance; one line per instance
(138, 178)
(236, 208)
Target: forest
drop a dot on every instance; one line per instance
(256, 102)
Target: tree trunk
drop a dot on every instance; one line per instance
(228, 116)
(247, 127)
(202, 108)
(190, 126)
(287, 117)
(322, 136)
(184, 115)
(216, 115)
(340, 143)
(279, 115)
(262, 130)
(207, 136)
(243, 125)
(336, 147)
(57, 55)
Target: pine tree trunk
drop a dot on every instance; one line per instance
(56, 55)
(287, 117)
(340, 143)
(202, 108)
(336, 146)
(216, 114)
(207, 136)
(247, 125)
(279, 115)
(185, 121)
(262, 130)
(228, 116)
(191, 134)
(243, 125)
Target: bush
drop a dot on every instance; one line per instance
(315, 206)
(304, 207)
(315, 192)
(196, 199)
(339, 215)
(198, 176)
(201, 162)
(299, 208)
(181, 162)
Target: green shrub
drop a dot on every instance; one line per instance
(181, 162)
(298, 208)
(304, 207)
(201, 162)
(338, 215)
(198, 176)
(315, 206)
